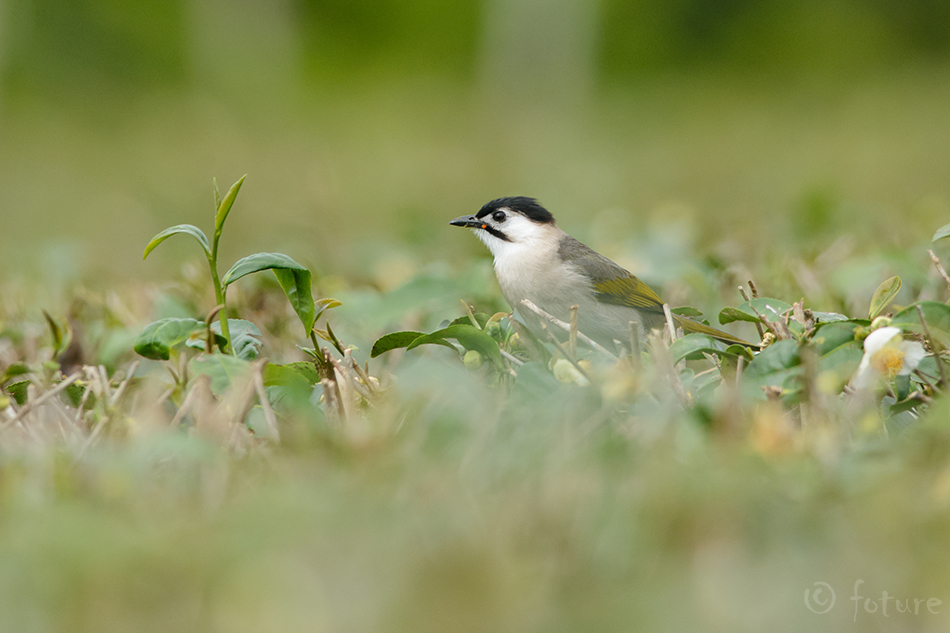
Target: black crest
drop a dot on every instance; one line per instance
(529, 207)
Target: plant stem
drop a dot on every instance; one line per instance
(220, 296)
(324, 368)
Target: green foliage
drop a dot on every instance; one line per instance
(714, 464)
(181, 229)
(754, 311)
(884, 294)
(159, 337)
(223, 370)
(292, 277)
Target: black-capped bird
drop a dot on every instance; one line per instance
(536, 260)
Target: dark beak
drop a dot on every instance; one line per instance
(469, 221)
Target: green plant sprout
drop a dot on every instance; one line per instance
(233, 336)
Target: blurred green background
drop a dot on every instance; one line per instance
(748, 130)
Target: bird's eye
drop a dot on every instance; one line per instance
(498, 216)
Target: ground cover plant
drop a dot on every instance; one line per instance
(203, 474)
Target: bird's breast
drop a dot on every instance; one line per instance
(548, 282)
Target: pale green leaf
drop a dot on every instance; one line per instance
(186, 229)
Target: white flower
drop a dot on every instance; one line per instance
(886, 355)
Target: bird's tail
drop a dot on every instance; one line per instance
(689, 326)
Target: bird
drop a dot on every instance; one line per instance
(535, 259)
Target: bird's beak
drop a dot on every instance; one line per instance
(469, 221)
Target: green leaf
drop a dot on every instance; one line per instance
(771, 309)
(186, 229)
(884, 294)
(292, 277)
(198, 339)
(692, 347)
(245, 338)
(19, 390)
(687, 311)
(395, 340)
(469, 336)
(159, 337)
(274, 374)
(75, 393)
(296, 285)
(290, 384)
(14, 369)
(829, 336)
(324, 305)
(223, 369)
(224, 207)
(61, 336)
(936, 314)
(730, 315)
(829, 317)
(942, 232)
(217, 195)
(777, 357)
(480, 317)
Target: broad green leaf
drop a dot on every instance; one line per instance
(159, 337)
(469, 336)
(840, 364)
(928, 367)
(884, 294)
(223, 369)
(771, 309)
(296, 285)
(292, 277)
(480, 317)
(687, 311)
(274, 374)
(224, 207)
(198, 339)
(76, 392)
(900, 421)
(942, 232)
(692, 347)
(19, 390)
(730, 314)
(902, 387)
(186, 229)
(245, 338)
(936, 314)
(777, 357)
(832, 335)
(291, 384)
(700, 385)
(395, 340)
(14, 369)
(899, 407)
(829, 317)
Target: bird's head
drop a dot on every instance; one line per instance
(509, 223)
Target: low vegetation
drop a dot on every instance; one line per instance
(207, 472)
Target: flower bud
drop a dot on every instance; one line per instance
(472, 359)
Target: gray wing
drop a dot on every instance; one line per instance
(611, 283)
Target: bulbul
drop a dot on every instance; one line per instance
(536, 260)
